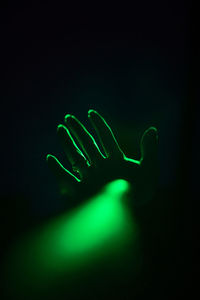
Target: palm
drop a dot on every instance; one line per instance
(96, 169)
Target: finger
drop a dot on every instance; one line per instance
(105, 135)
(149, 145)
(85, 139)
(74, 154)
(66, 180)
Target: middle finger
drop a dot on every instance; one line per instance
(85, 139)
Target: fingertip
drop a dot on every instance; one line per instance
(91, 111)
(94, 115)
(60, 127)
(149, 144)
(48, 157)
(53, 163)
(68, 117)
(152, 129)
(151, 132)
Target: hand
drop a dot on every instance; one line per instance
(94, 168)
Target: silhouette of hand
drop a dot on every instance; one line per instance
(94, 169)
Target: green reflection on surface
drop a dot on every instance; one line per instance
(98, 228)
(91, 226)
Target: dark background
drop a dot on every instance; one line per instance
(133, 65)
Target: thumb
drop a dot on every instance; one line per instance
(149, 146)
(149, 163)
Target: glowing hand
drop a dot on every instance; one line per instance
(95, 169)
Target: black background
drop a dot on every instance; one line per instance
(134, 65)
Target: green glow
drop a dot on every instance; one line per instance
(101, 227)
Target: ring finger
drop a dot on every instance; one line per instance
(74, 154)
